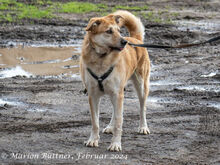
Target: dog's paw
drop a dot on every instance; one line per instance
(92, 143)
(108, 130)
(144, 130)
(115, 146)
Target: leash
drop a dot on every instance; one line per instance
(105, 75)
(176, 46)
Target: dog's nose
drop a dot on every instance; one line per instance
(123, 42)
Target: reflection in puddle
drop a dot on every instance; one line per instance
(202, 88)
(69, 66)
(205, 26)
(9, 102)
(44, 62)
(12, 72)
(215, 105)
(210, 74)
(161, 100)
(76, 77)
(39, 60)
(164, 82)
(29, 107)
(36, 110)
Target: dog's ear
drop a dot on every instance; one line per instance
(119, 19)
(93, 24)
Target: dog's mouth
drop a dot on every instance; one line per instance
(123, 43)
(117, 48)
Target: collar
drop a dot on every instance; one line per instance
(100, 79)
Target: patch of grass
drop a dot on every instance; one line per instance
(104, 13)
(15, 11)
(175, 14)
(157, 17)
(43, 2)
(34, 12)
(12, 11)
(9, 18)
(136, 8)
(3, 5)
(150, 16)
(167, 7)
(135, 13)
(81, 7)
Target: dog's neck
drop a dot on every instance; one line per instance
(100, 51)
(95, 61)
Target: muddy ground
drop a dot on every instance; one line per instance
(46, 120)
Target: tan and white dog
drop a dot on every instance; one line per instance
(107, 63)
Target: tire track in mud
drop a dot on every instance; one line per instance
(41, 127)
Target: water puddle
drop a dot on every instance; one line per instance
(201, 88)
(214, 104)
(12, 72)
(205, 26)
(160, 100)
(212, 74)
(4, 102)
(39, 60)
(164, 83)
(210, 104)
(37, 110)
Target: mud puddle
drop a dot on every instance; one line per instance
(201, 88)
(39, 60)
(6, 103)
(201, 26)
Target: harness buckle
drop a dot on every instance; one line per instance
(101, 78)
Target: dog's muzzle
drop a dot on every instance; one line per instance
(123, 42)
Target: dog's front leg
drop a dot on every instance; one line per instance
(94, 111)
(117, 101)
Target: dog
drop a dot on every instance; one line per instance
(107, 62)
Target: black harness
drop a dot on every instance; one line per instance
(101, 78)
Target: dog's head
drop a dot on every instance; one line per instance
(105, 33)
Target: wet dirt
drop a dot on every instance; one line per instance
(44, 117)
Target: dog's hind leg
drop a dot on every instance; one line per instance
(109, 128)
(94, 136)
(142, 87)
(117, 100)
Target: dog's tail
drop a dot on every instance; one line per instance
(132, 23)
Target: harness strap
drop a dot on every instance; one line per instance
(101, 78)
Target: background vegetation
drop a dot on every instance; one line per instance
(12, 11)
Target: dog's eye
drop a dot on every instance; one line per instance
(109, 31)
